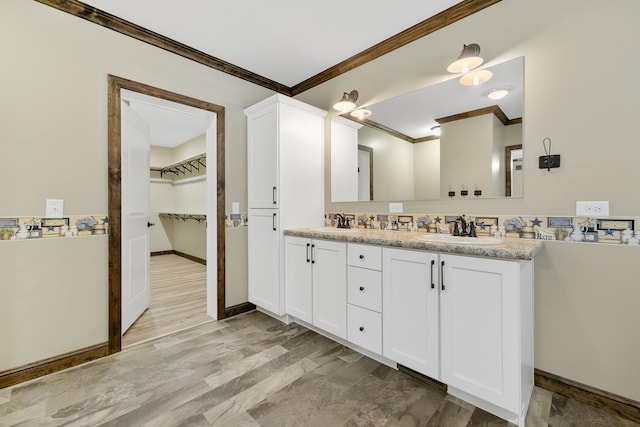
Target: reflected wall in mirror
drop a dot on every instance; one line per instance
(473, 152)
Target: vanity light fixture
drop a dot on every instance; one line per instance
(476, 78)
(436, 130)
(498, 93)
(468, 60)
(347, 102)
(360, 113)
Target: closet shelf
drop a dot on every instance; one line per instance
(183, 217)
(184, 166)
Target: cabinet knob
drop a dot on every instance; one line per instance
(361, 288)
(361, 328)
(361, 256)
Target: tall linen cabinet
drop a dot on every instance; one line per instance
(285, 188)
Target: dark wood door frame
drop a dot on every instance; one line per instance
(115, 196)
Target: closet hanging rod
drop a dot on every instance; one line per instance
(184, 166)
(183, 217)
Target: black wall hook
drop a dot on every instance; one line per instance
(549, 160)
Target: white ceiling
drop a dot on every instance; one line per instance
(170, 123)
(288, 44)
(287, 41)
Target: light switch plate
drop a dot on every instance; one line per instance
(395, 208)
(55, 208)
(235, 208)
(592, 209)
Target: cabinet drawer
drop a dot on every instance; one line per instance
(364, 256)
(364, 328)
(364, 288)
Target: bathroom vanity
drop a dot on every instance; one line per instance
(461, 314)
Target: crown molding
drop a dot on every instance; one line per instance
(446, 17)
(112, 22)
(453, 14)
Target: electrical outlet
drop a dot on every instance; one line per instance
(54, 208)
(592, 209)
(395, 208)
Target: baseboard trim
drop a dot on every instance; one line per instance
(191, 257)
(234, 310)
(52, 364)
(182, 254)
(425, 379)
(171, 252)
(612, 403)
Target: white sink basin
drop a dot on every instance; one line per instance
(334, 230)
(457, 240)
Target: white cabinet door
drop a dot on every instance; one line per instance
(297, 278)
(301, 167)
(329, 261)
(480, 328)
(262, 158)
(410, 309)
(264, 260)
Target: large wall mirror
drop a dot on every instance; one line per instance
(437, 142)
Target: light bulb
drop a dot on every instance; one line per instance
(476, 78)
(360, 113)
(498, 93)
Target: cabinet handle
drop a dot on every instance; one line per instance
(361, 256)
(313, 258)
(274, 222)
(442, 274)
(308, 257)
(361, 328)
(432, 284)
(361, 288)
(274, 195)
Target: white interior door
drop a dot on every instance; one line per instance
(135, 215)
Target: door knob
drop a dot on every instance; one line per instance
(150, 224)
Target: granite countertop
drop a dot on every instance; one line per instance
(524, 249)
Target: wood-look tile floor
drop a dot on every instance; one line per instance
(178, 299)
(252, 370)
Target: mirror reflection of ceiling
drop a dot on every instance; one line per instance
(415, 113)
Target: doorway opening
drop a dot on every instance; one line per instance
(215, 248)
(513, 155)
(176, 138)
(365, 172)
